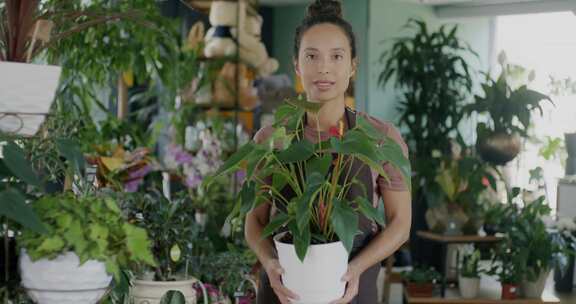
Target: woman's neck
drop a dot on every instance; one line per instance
(328, 116)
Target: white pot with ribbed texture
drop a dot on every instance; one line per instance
(469, 287)
(26, 94)
(317, 280)
(63, 280)
(151, 292)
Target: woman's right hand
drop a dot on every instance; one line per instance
(274, 272)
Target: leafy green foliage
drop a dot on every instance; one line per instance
(430, 70)
(319, 212)
(509, 109)
(421, 275)
(470, 265)
(92, 227)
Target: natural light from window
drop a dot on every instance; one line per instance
(545, 43)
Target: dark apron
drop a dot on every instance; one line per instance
(367, 291)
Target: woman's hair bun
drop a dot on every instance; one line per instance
(325, 8)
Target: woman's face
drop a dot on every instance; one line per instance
(324, 63)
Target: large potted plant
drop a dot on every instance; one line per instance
(454, 197)
(319, 225)
(431, 72)
(509, 109)
(87, 243)
(469, 279)
(420, 281)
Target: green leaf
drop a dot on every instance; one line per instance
(299, 151)
(112, 268)
(355, 143)
(111, 204)
(70, 149)
(74, 235)
(320, 165)
(13, 205)
(369, 211)
(301, 239)
(247, 196)
(345, 223)
(278, 221)
(15, 160)
(369, 129)
(391, 152)
(306, 105)
(51, 244)
(138, 244)
(233, 162)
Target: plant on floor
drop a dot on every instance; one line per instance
(430, 69)
(91, 226)
(319, 213)
(421, 274)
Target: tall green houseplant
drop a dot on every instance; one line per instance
(434, 80)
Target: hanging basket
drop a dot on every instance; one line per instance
(498, 148)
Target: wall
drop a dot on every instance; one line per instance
(287, 18)
(377, 23)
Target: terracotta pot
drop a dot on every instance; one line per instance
(509, 291)
(420, 290)
(498, 148)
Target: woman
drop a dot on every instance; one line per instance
(325, 60)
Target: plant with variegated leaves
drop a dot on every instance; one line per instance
(319, 212)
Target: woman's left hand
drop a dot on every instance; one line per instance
(352, 277)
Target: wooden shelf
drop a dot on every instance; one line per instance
(486, 296)
(428, 235)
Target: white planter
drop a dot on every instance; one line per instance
(26, 88)
(63, 280)
(317, 280)
(469, 287)
(151, 292)
(201, 218)
(534, 289)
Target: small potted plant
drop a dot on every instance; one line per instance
(420, 281)
(87, 243)
(175, 238)
(469, 279)
(508, 265)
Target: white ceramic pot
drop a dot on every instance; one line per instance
(469, 287)
(63, 280)
(317, 280)
(26, 88)
(151, 292)
(533, 290)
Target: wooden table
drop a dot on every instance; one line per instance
(490, 293)
(445, 240)
(546, 299)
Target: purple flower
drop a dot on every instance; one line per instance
(132, 186)
(140, 172)
(180, 156)
(193, 180)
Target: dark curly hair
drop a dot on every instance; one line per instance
(324, 11)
